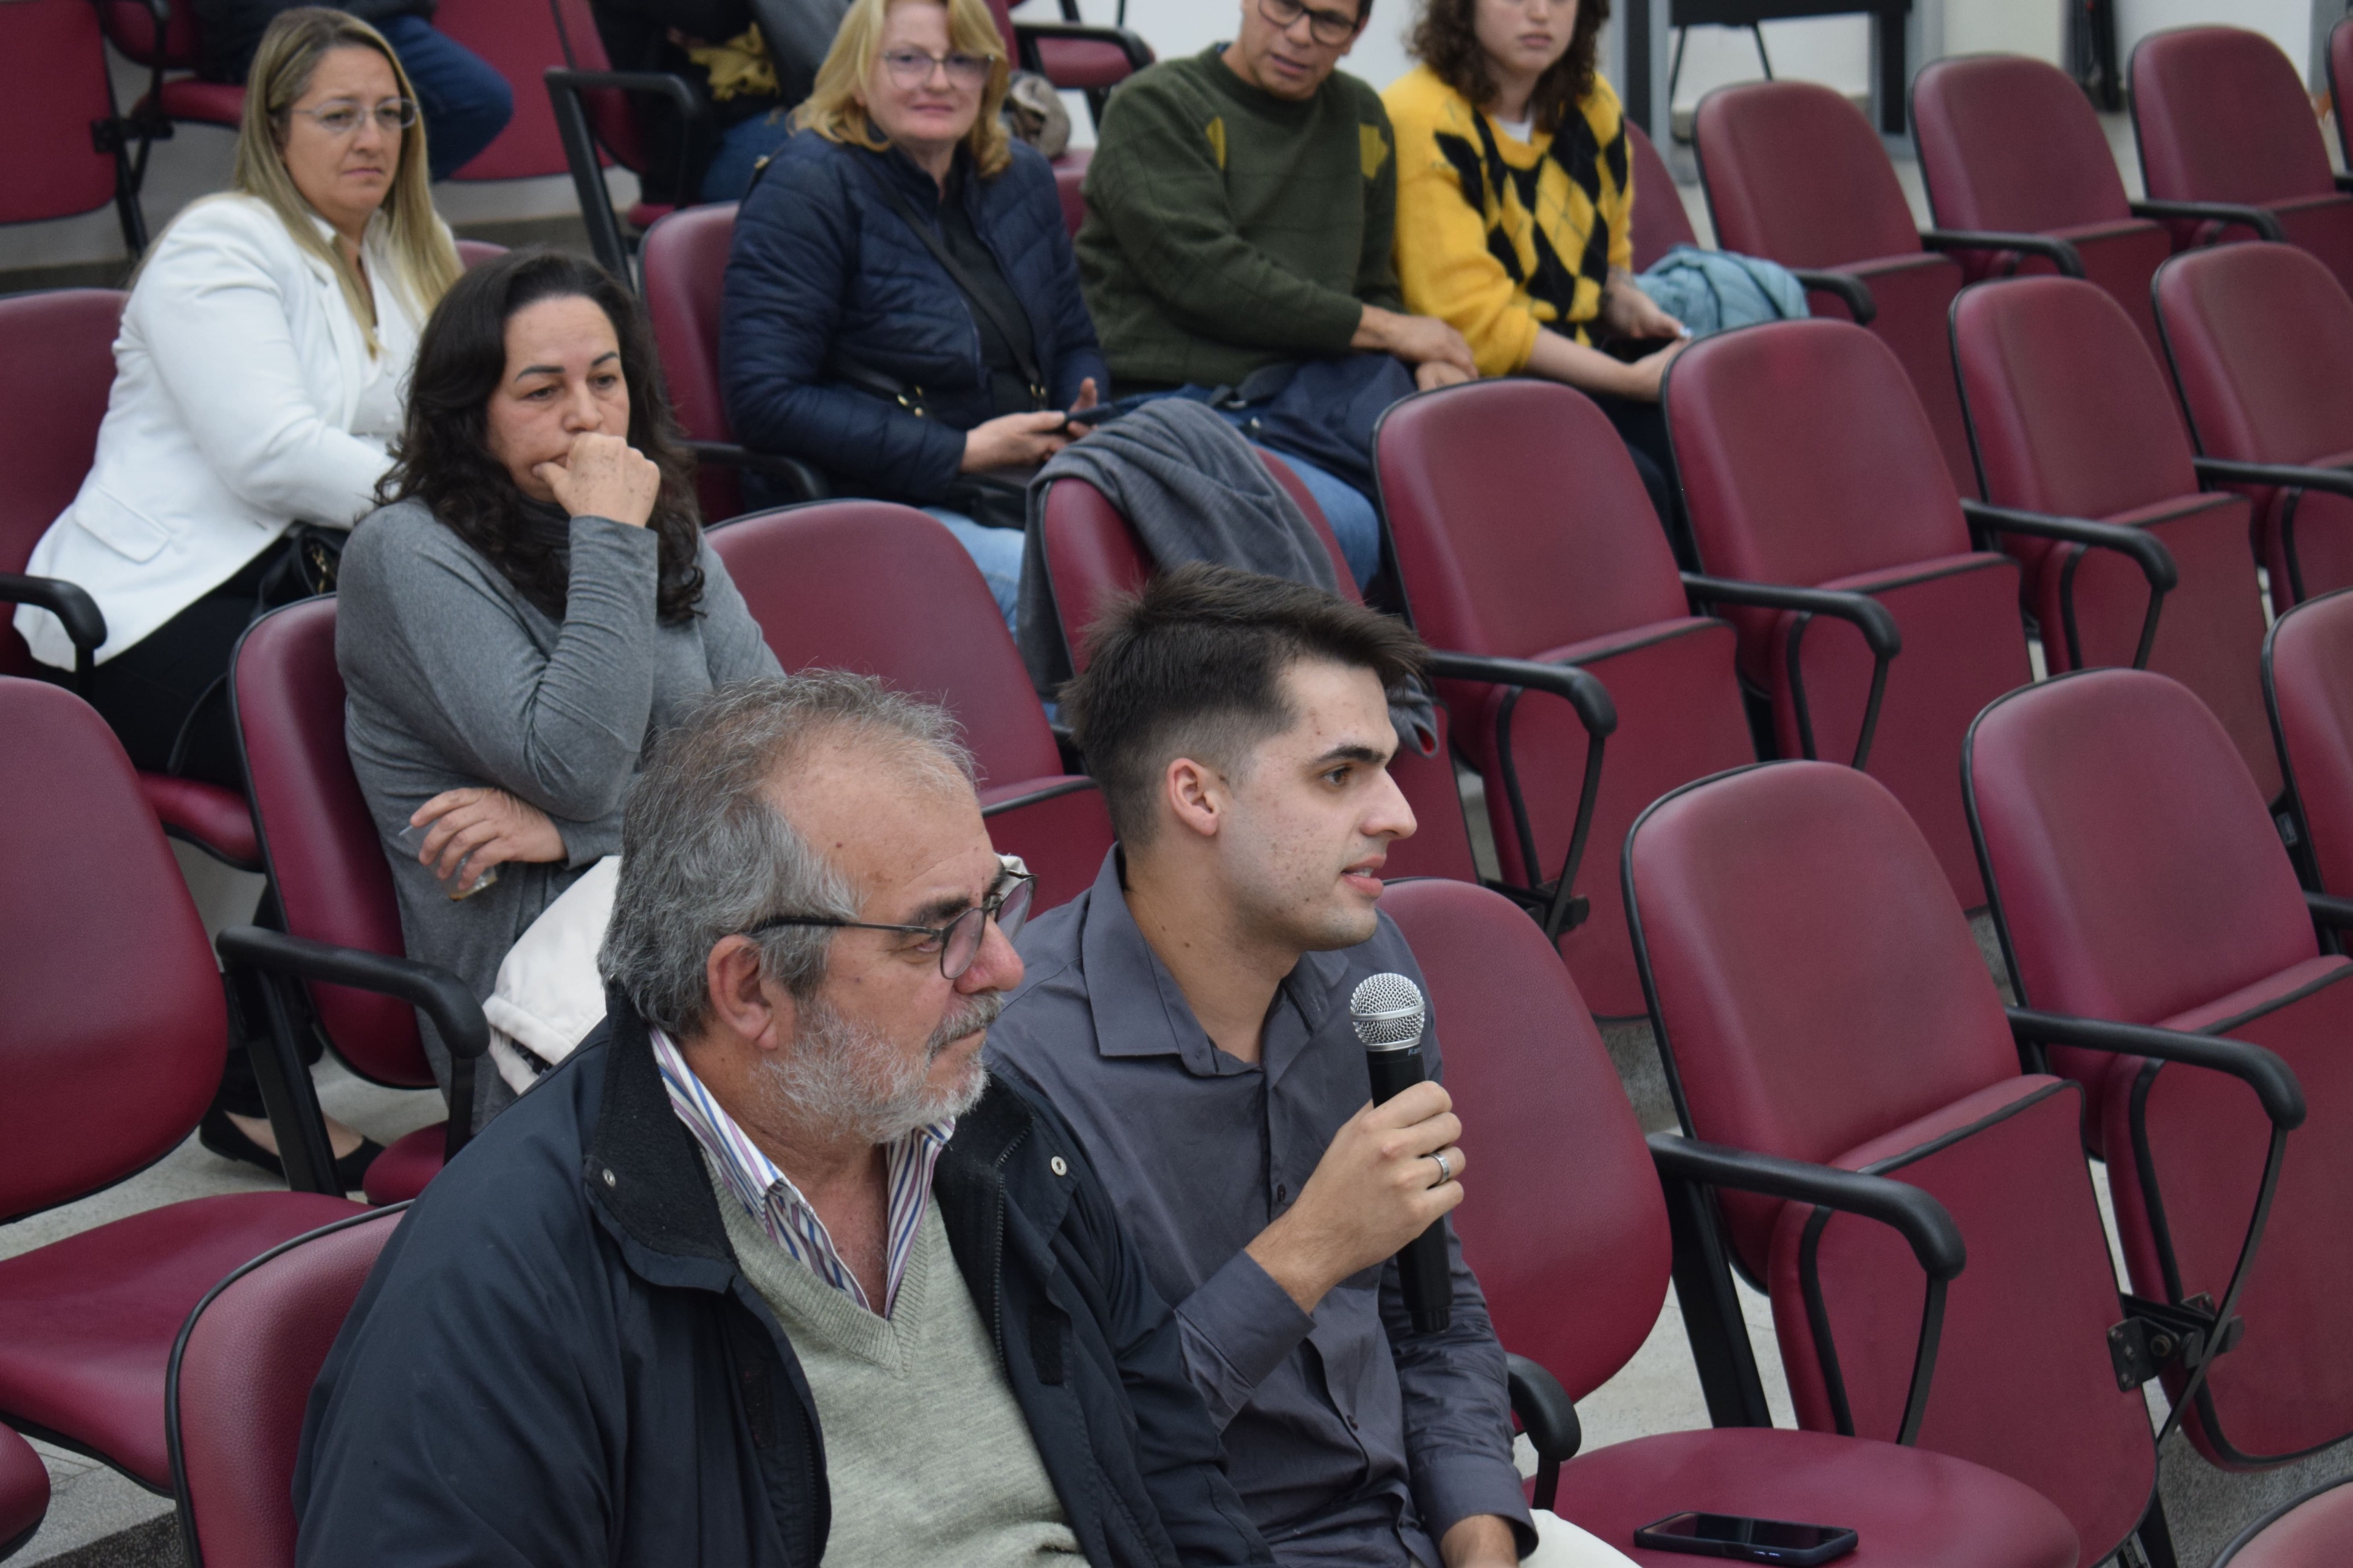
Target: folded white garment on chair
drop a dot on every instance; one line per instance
(549, 994)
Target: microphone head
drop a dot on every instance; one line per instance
(1388, 1012)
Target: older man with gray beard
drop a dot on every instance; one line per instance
(770, 1271)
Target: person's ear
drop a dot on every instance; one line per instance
(1196, 795)
(740, 1001)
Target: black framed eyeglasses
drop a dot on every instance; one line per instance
(1330, 29)
(959, 941)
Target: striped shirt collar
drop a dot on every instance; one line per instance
(770, 1197)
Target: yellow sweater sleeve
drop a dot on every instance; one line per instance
(1601, 105)
(1442, 261)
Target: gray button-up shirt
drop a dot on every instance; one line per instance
(1352, 1439)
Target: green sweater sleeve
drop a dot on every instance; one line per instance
(1158, 183)
(1377, 277)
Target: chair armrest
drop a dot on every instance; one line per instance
(85, 623)
(433, 992)
(2290, 475)
(2062, 253)
(674, 87)
(811, 484)
(1911, 1212)
(2259, 1068)
(2256, 219)
(1139, 53)
(1854, 291)
(1558, 908)
(2329, 913)
(1549, 1418)
(1054, 791)
(2147, 551)
(1871, 617)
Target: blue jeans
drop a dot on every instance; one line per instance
(464, 102)
(998, 553)
(742, 146)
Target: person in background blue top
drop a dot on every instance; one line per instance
(903, 305)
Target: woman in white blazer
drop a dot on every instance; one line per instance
(260, 371)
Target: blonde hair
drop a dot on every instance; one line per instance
(834, 112)
(424, 261)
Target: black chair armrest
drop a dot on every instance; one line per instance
(2062, 253)
(1549, 1418)
(680, 92)
(2263, 223)
(2290, 475)
(2329, 913)
(1852, 290)
(1556, 908)
(811, 484)
(564, 87)
(1911, 1212)
(1139, 53)
(2259, 1068)
(433, 992)
(1054, 791)
(2147, 551)
(85, 623)
(1871, 617)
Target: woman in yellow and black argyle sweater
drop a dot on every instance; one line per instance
(1515, 203)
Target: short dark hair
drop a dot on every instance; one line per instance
(1192, 666)
(1446, 40)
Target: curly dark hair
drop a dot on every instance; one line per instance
(443, 458)
(1446, 40)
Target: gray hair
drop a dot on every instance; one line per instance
(705, 853)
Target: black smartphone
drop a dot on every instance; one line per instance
(1748, 1539)
(1087, 418)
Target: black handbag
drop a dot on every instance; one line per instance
(1322, 411)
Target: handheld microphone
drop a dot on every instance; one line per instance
(1388, 1012)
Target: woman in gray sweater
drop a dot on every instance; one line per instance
(533, 607)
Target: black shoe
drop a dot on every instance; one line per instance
(226, 1138)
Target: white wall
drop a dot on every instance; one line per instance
(2288, 22)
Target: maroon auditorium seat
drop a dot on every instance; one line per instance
(1818, 996)
(56, 112)
(1806, 464)
(2314, 1529)
(2220, 117)
(1569, 1239)
(2009, 141)
(518, 39)
(2072, 416)
(1091, 554)
(1070, 54)
(24, 1492)
(2308, 686)
(597, 105)
(1522, 531)
(334, 890)
(2258, 336)
(2138, 879)
(48, 438)
(110, 1046)
(1796, 174)
(885, 590)
(174, 88)
(2340, 78)
(241, 1376)
(1660, 222)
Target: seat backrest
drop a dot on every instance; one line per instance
(612, 116)
(49, 422)
(2069, 411)
(1804, 455)
(2221, 116)
(2129, 854)
(1815, 982)
(1568, 1209)
(472, 253)
(24, 1492)
(2010, 142)
(886, 591)
(130, 28)
(1518, 520)
(518, 39)
(326, 863)
(683, 258)
(113, 1029)
(2308, 683)
(52, 86)
(240, 1382)
(1660, 222)
(2340, 82)
(2258, 335)
(1796, 174)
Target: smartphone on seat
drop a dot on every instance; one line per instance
(1747, 1539)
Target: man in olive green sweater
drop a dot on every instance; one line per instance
(1241, 211)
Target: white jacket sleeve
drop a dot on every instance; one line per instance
(214, 315)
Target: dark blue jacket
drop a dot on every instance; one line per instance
(558, 1360)
(825, 269)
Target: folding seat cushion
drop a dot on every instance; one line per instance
(2308, 683)
(2010, 142)
(24, 1492)
(1818, 996)
(2220, 115)
(2138, 878)
(2258, 336)
(2072, 416)
(2314, 1529)
(1796, 174)
(1567, 1209)
(1806, 461)
(1522, 530)
(886, 591)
